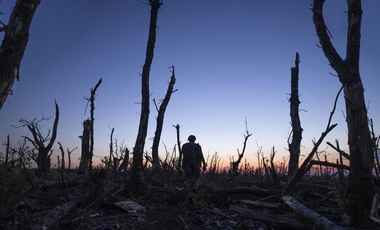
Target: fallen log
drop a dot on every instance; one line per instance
(326, 163)
(252, 189)
(81, 179)
(53, 216)
(318, 220)
(263, 204)
(269, 219)
(305, 167)
(321, 186)
(261, 183)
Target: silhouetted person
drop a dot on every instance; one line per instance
(192, 159)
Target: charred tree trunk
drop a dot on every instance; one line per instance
(138, 150)
(273, 173)
(357, 197)
(83, 165)
(305, 167)
(69, 157)
(295, 145)
(43, 157)
(179, 148)
(92, 99)
(63, 177)
(14, 43)
(111, 152)
(4, 181)
(160, 121)
(124, 165)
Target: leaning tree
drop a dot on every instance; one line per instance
(160, 121)
(138, 150)
(14, 43)
(359, 189)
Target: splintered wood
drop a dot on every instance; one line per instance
(129, 205)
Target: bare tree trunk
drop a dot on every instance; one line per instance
(235, 165)
(160, 121)
(111, 152)
(85, 155)
(4, 182)
(43, 157)
(375, 145)
(179, 148)
(14, 43)
(138, 150)
(63, 178)
(357, 197)
(305, 167)
(69, 157)
(275, 181)
(92, 99)
(295, 145)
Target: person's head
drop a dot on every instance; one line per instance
(191, 138)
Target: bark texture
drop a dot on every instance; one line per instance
(14, 43)
(318, 220)
(295, 145)
(50, 220)
(138, 150)
(359, 189)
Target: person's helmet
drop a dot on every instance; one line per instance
(191, 138)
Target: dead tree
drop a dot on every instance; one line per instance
(124, 165)
(235, 165)
(92, 99)
(375, 146)
(160, 121)
(69, 157)
(85, 155)
(295, 144)
(4, 181)
(43, 157)
(138, 150)
(305, 167)
(179, 148)
(14, 43)
(111, 151)
(273, 173)
(63, 177)
(357, 197)
(337, 148)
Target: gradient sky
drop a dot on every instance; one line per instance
(232, 60)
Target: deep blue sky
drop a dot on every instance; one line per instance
(232, 60)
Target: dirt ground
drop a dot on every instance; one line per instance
(106, 203)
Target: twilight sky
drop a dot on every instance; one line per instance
(232, 60)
